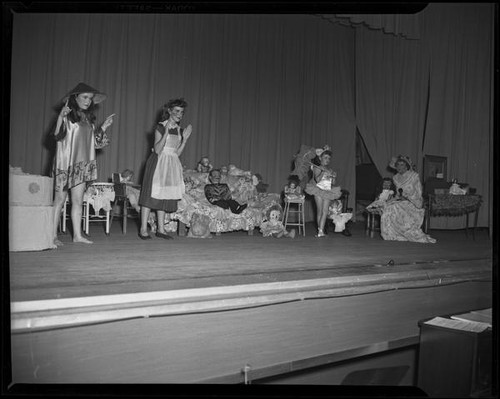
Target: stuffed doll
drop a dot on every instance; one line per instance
(338, 218)
(272, 226)
(234, 171)
(199, 226)
(204, 165)
(385, 195)
(259, 184)
(292, 190)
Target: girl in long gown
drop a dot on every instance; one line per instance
(403, 215)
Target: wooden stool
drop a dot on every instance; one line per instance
(371, 221)
(299, 211)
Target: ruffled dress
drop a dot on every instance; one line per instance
(402, 220)
(323, 189)
(163, 183)
(75, 160)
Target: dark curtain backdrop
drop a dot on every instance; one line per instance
(429, 96)
(258, 86)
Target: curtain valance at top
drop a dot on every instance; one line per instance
(404, 25)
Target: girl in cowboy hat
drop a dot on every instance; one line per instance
(77, 139)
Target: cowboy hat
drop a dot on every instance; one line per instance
(85, 88)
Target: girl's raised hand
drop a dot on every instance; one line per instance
(108, 121)
(65, 110)
(187, 132)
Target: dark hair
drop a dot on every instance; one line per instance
(294, 178)
(401, 159)
(326, 152)
(212, 172)
(75, 115)
(175, 102)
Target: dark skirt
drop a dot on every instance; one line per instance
(145, 198)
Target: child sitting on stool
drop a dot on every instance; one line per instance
(219, 194)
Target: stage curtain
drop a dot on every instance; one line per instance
(459, 121)
(257, 86)
(391, 94)
(431, 96)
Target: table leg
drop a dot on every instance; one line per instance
(475, 225)
(467, 225)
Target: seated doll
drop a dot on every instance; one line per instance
(273, 226)
(386, 193)
(131, 190)
(292, 190)
(338, 218)
(204, 165)
(219, 194)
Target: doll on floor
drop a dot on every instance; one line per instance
(292, 190)
(204, 165)
(273, 226)
(338, 218)
(131, 190)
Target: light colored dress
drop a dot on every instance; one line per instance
(168, 181)
(324, 188)
(75, 160)
(402, 219)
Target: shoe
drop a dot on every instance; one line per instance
(147, 237)
(346, 233)
(320, 234)
(163, 235)
(241, 208)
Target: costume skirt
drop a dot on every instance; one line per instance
(145, 199)
(313, 189)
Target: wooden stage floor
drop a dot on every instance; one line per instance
(107, 292)
(123, 264)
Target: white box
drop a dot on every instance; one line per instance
(31, 228)
(30, 190)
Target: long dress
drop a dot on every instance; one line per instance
(402, 220)
(75, 160)
(163, 182)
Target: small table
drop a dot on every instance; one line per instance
(450, 205)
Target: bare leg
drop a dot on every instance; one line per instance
(59, 201)
(145, 211)
(324, 214)
(76, 213)
(319, 210)
(161, 221)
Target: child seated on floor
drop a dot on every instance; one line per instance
(219, 194)
(385, 194)
(131, 190)
(292, 190)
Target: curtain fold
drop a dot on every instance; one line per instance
(458, 125)
(391, 95)
(257, 87)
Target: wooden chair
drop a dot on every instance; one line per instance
(103, 216)
(121, 201)
(299, 211)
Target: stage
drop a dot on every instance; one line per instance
(220, 310)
